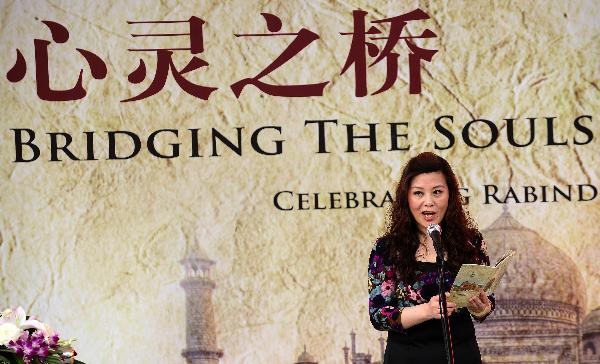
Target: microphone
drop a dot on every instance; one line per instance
(435, 232)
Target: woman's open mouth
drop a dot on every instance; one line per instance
(429, 216)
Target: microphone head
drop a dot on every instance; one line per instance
(434, 228)
(435, 233)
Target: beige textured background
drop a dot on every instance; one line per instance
(94, 247)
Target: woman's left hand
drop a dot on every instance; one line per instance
(479, 305)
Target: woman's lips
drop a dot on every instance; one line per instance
(428, 216)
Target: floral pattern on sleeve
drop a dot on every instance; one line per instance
(383, 301)
(388, 295)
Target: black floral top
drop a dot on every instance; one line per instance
(387, 293)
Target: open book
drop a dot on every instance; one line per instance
(472, 278)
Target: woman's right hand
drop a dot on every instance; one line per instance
(432, 308)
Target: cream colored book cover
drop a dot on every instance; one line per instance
(472, 278)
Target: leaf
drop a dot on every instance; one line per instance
(55, 359)
(9, 358)
(52, 360)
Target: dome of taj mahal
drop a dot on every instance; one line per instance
(539, 272)
(539, 301)
(591, 323)
(305, 358)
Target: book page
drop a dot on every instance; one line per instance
(500, 270)
(506, 255)
(471, 278)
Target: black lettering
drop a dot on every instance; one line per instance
(467, 137)
(303, 201)
(544, 199)
(152, 147)
(195, 151)
(395, 136)
(372, 136)
(567, 195)
(445, 132)
(387, 198)
(317, 206)
(550, 128)
(217, 135)
(334, 200)
(256, 146)
(581, 194)
(89, 137)
(530, 192)
(112, 154)
(19, 143)
(321, 132)
(511, 132)
(368, 196)
(511, 194)
(489, 194)
(584, 130)
(54, 148)
(353, 199)
(276, 201)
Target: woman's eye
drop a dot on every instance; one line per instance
(417, 193)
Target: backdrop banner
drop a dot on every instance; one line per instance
(203, 182)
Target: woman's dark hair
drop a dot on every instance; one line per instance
(402, 235)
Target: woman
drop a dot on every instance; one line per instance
(403, 289)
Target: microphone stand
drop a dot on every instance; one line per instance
(444, 309)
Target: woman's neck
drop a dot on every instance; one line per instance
(425, 251)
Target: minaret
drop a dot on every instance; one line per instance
(382, 345)
(353, 344)
(201, 338)
(346, 349)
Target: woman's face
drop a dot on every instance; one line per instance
(428, 199)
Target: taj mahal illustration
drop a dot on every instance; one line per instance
(538, 318)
